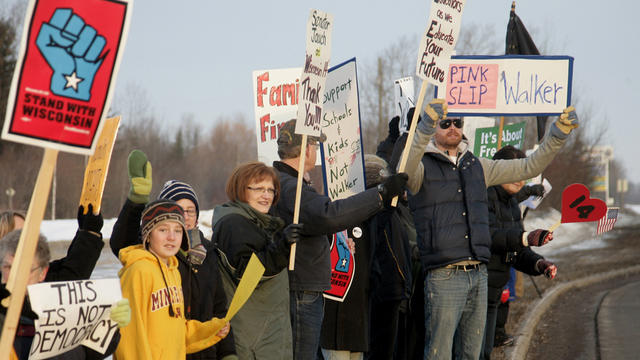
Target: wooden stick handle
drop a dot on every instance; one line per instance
(555, 226)
(23, 258)
(296, 209)
(412, 131)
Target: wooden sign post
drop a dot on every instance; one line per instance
(61, 89)
(312, 81)
(436, 47)
(95, 174)
(20, 270)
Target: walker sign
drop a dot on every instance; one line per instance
(508, 85)
(73, 313)
(65, 74)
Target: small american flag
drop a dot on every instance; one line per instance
(606, 222)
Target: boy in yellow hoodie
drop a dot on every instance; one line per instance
(150, 279)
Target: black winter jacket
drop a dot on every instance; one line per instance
(506, 233)
(450, 211)
(391, 262)
(82, 255)
(204, 295)
(320, 217)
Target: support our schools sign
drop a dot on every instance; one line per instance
(65, 74)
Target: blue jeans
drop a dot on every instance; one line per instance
(455, 312)
(307, 311)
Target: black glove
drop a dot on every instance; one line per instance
(89, 221)
(393, 186)
(291, 234)
(547, 268)
(539, 237)
(410, 117)
(534, 190)
(394, 130)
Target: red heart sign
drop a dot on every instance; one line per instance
(577, 206)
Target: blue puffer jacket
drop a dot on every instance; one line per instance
(450, 210)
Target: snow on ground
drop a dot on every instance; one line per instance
(65, 229)
(567, 237)
(574, 236)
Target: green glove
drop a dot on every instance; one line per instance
(121, 313)
(139, 177)
(230, 357)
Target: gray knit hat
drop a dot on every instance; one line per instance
(376, 170)
(176, 190)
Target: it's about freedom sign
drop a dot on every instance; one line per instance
(508, 85)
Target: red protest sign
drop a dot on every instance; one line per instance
(578, 206)
(66, 72)
(342, 267)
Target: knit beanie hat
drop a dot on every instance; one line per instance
(376, 170)
(159, 211)
(176, 190)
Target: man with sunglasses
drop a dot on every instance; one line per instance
(449, 204)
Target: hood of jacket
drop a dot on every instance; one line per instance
(463, 148)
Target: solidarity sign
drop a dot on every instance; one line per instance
(66, 72)
(508, 85)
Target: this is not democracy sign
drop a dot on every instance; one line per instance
(72, 313)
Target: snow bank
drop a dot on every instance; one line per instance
(65, 229)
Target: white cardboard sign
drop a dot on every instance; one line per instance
(404, 94)
(72, 313)
(439, 40)
(314, 72)
(343, 164)
(523, 85)
(275, 102)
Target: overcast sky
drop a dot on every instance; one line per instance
(197, 56)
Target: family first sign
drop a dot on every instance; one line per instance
(508, 85)
(275, 102)
(73, 313)
(65, 74)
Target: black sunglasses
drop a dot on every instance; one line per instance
(444, 124)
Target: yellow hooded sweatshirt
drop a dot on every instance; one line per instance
(153, 333)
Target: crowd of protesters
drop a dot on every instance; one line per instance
(429, 272)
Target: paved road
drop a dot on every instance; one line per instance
(600, 322)
(618, 323)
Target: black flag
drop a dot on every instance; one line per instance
(519, 42)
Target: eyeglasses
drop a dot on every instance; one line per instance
(190, 212)
(263, 190)
(445, 124)
(7, 268)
